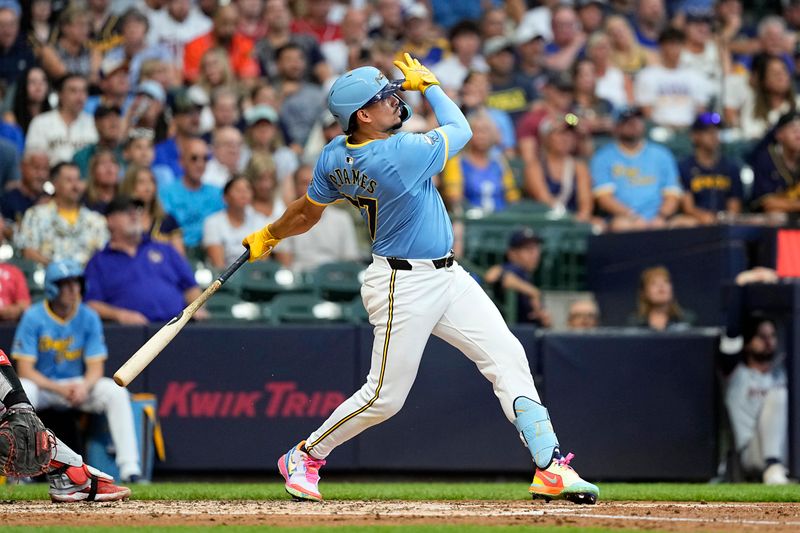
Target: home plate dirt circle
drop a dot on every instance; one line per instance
(644, 515)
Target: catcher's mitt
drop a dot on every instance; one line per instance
(26, 446)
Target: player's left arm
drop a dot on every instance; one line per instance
(453, 124)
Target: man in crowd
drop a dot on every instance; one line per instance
(583, 314)
(134, 50)
(65, 130)
(671, 95)
(13, 203)
(189, 200)
(509, 92)
(108, 123)
(522, 259)
(302, 101)
(16, 54)
(278, 20)
(115, 86)
(175, 25)
(61, 353)
(710, 180)
(568, 39)
(62, 228)
(227, 145)
(776, 166)
(465, 43)
(757, 402)
(186, 120)
(223, 34)
(635, 181)
(135, 280)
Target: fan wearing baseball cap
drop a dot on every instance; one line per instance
(710, 180)
(513, 277)
(635, 181)
(776, 187)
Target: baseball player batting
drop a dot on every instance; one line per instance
(413, 288)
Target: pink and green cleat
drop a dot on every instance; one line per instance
(560, 481)
(301, 472)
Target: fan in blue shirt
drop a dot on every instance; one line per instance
(635, 181)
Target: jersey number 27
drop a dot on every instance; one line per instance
(370, 207)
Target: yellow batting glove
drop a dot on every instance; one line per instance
(418, 77)
(260, 243)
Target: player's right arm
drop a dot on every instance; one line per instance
(299, 217)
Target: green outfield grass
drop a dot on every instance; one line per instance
(336, 490)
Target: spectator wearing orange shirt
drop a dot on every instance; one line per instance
(223, 34)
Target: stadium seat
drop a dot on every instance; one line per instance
(302, 308)
(34, 275)
(339, 281)
(355, 312)
(225, 307)
(262, 280)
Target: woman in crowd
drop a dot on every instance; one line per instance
(771, 95)
(30, 98)
(36, 17)
(70, 52)
(263, 136)
(267, 199)
(140, 183)
(474, 95)
(626, 52)
(480, 176)
(215, 72)
(102, 181)
(224, 230)
(561, 180)
(594, 112)
(658, 308)
(611, 83)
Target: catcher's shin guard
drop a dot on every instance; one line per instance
(536, 430)
(63, 454)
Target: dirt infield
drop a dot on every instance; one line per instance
(644, 515)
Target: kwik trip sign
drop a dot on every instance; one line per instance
(277, 399)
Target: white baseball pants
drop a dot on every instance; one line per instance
(770, 440)
(105, 397)
(405, 307)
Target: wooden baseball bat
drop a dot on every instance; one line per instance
(149, 350)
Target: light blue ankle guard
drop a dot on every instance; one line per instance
(535, 430)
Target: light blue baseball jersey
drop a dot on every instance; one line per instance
(638, 180)
(58, 346)
(389, 180)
